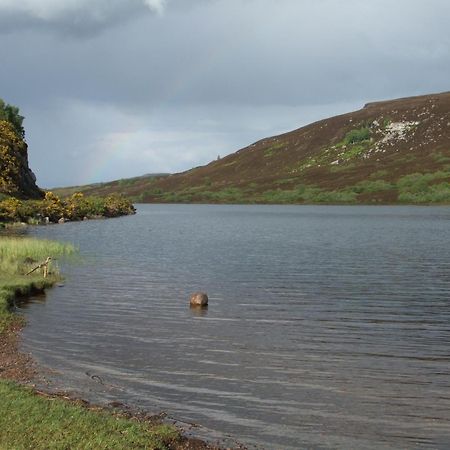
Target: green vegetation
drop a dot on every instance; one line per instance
(355, 143)
(17, 257)
(431, 187)
(76, 207)
(357, 135)
(11, 114)
(29, 421)
(270, 151)
(370, 186)
(12, 151)
(308, 194)
(440, 158)
(415, 188)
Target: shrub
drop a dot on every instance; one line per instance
(52, 207)
(9, 210)
(371, 186)
(75, 208)
(117, 205)
(11, 114)
(358, 135)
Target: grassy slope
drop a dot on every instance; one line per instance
(133, 188)
(29, 421)
(360, 157)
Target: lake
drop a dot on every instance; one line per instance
(328, 326)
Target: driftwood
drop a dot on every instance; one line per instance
(44, 266)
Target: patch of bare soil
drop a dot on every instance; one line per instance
(14, 365)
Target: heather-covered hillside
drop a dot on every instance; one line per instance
(394, 151)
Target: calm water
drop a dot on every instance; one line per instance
(328, 327)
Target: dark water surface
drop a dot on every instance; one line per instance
(328, 327)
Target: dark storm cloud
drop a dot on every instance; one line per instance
(218, 72)
(72, 17)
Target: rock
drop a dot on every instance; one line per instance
(62, 220)
(199, 299)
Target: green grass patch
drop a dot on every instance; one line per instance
(270, 151)
(17, 257)
(28, 421)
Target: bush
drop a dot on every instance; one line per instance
(9, 210)
(369, 186)
(75, 208)
(11, 114)
(358, 135)
(116, 205)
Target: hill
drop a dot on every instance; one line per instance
(132, 188)
(388, 152)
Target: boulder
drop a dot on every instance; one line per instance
(199, 299)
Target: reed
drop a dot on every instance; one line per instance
(17, 257)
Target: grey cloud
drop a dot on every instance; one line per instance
(72, 17)
(263, 62)
(246, 52)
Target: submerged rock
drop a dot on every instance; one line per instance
(199, 299)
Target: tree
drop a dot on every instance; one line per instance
(11, 114)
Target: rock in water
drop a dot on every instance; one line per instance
(199, 299)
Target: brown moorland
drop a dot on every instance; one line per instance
(395, 151)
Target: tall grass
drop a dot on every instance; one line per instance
(17, 257)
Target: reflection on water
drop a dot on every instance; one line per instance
(197, 311)
(327, 327)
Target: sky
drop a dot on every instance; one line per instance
(113, 89)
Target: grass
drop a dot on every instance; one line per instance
(17, 257)
(29, 421)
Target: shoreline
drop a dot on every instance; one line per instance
(20, 374)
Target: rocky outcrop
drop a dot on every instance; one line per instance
(16, 177)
